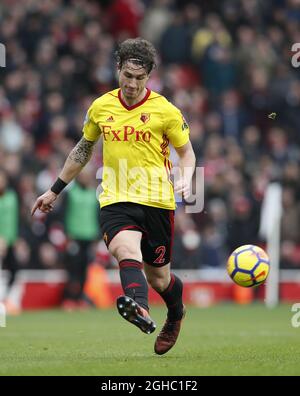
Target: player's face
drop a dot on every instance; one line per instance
(132, 81)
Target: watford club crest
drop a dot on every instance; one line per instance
(145, 117)
(184, 124)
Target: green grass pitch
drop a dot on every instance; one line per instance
(222, 340)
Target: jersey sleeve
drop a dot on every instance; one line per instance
(91, 131)
(176, 127)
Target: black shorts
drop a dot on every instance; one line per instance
(155, 224)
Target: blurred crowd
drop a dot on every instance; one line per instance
(225, 64)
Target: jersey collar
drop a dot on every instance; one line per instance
(135, 105)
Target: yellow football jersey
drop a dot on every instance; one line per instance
(136, 165)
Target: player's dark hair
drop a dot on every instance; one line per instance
(139, 51)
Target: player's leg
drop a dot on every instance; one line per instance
(122, 233)
(133, 306)
(156, 250)
(125, 247)
(170, 287)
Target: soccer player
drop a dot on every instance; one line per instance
(137, 202)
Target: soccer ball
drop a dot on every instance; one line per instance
(248, 265)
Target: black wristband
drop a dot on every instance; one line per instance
(58, 186)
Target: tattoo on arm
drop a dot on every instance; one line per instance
(82, 152)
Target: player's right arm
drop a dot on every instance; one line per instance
(77, 159)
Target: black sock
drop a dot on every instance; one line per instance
(172, 296)
(134, 282)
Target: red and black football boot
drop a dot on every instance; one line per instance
(135, 314)
(168, 335)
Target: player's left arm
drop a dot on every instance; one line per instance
(187, 163)
(177, 131)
